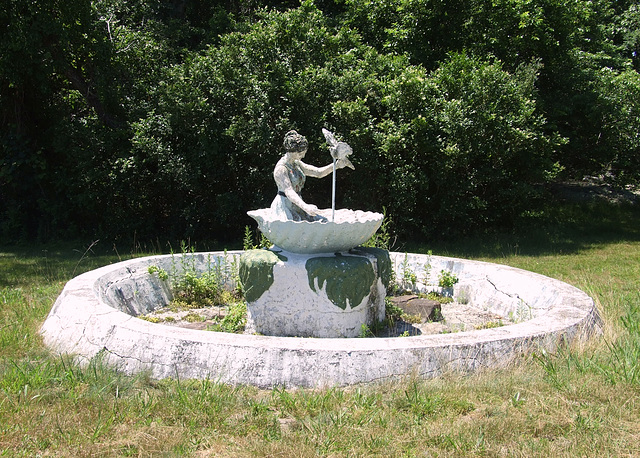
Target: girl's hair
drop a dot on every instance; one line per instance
(294, 142)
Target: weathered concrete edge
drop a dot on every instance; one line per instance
(82, 324)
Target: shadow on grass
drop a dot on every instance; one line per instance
(561, 228)
(31, 264)
(22, 265)
(565, 226)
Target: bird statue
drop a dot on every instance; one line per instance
(339, 150)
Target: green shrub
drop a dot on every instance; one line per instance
(620, 93)
(456, 111)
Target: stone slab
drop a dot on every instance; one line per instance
(426, 309)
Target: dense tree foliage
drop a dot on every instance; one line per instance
(165, 118)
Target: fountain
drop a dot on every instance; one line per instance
(312, 282)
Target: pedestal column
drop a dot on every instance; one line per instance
(314, 295)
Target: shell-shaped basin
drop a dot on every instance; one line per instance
(349, 229)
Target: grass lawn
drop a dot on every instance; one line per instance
(580, 402)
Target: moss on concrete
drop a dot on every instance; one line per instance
(256, 272)
(385, 267)
(347, 278)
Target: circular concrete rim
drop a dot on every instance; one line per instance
(83, 324)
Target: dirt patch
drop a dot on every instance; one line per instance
(195, 318)
(424, 317)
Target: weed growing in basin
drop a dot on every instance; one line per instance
(392, 311)
(196, 286)
(389, 326)
(393, 314)
(162, 274)
(522, 312)
(489, 325)
(193, 318)
(365, 331)
(151, 318)
(435, 296)
(383, 237)
(409, 277)
(426, 268)
(248, 241)
(217, 285)
(447, 279)
(193, 291)
(234, 321)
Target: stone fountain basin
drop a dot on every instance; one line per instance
(95, 317)
(350, 228)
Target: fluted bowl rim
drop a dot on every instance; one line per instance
(351, 229)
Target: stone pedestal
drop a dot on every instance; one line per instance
(314, 295)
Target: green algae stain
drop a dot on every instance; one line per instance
(347, 278)
(385, 267)
(256, 272)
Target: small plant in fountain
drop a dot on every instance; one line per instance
(489, 325)
(161, 273)
(426, 268)
(447, 279)
(435, 296)
(191, 290)
(248, 241)
(409, 277)
(150, 319)
(382, 238)
(217, 286)
(393, 315)
(406, 281)
(392, 311)
(205, 290)
(234, 321)
(365, 331)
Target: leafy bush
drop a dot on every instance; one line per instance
(620, 93)
(166, 120)
(456, 141)
(193, 289)
(201, 290)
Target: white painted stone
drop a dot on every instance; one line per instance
(290, 307)
(89, 321)
(350, 229)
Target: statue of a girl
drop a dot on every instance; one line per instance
(290, 174)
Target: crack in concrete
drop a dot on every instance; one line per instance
(87, 336)
(141, 361)
(515, 296)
